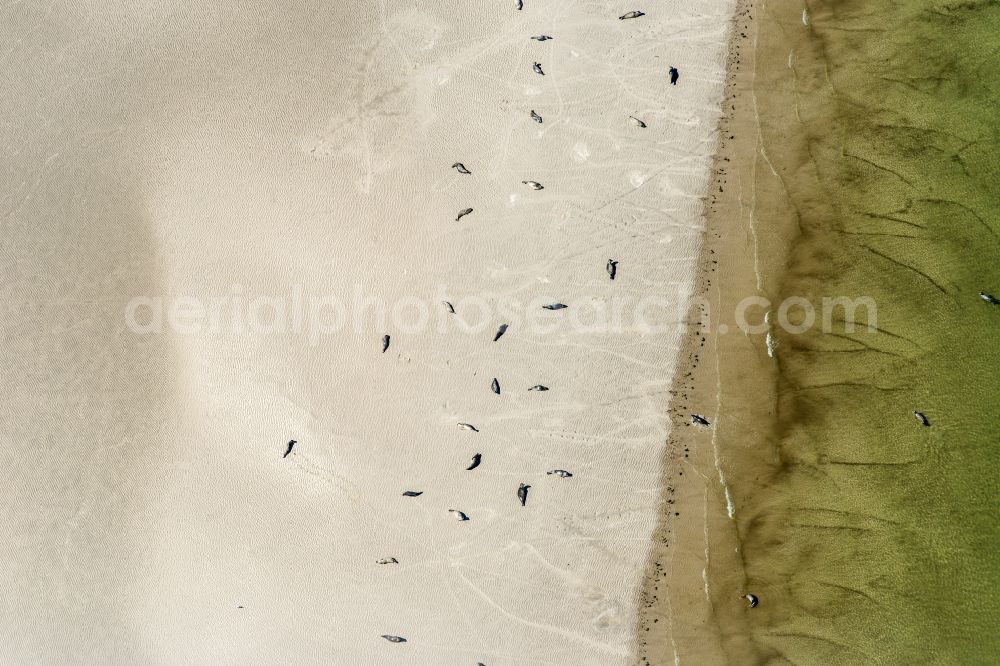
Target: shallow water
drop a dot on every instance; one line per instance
(869, 537)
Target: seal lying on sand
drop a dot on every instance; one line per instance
(533, 185)
(538, 387)
(495, 386)
(630, 15)
(412, 493)
(449, 306)
(468, 426)
(674, 75)
(534, 116)
(541, 38)
(462, 213)
(387, 560)
(538, 68)
(500, 332)
(291, 445)
(561, 473)
(385, 343)
(458, 515)
(459, 167)
(522, 494)
(555, 306)
(612, 268)
(637, 122)
(394, 639)
(476, 459)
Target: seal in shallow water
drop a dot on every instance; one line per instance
(698, 419)
(920, 417)
(751, 599)
(989, 298)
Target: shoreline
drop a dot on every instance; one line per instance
(696, 538)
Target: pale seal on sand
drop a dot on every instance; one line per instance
(541, 38)
(468, 426)
(495, 386)
(637, 122)
(500, 332)
(522, 494)
(458, 515)
(533, 185)
(555, 306)
(462, 213)
(698, 419)
(412, 493)
(561, 473)
(538, 387)
(752, 599)
(393, 639)
(921, 417)
(534, 116)
(449, 306)
(538, 68)
(385, 343)
(630, 15)
(519, 5)
(612, 268)
(476, 459)
(387, 560)
(459, 167)
(989, 298)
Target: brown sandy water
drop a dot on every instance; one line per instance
(864, 167)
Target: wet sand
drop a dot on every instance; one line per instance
(300, 150)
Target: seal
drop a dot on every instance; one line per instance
(459, 167)
(561, 473)
(752, 600)
(468, 426)
(519, 5)
(637, 122)
(630, 15)
(522, 494)
(385, 343)
(500, 332)
(920, 417)
(458, 515)
(533, 185)
(674, 75)
(555, 306)
(537, 118)
(541, 38)
(393, 639)
(539, 387)
(538, 68)
(989, 298)
(495, 386)
(291, 445)
(698, 419)
(476, 459)
(449, 307)
(412, 493)
(387, 560)
(462, 213)
(612, 268)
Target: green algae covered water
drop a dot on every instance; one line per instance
(868, 536)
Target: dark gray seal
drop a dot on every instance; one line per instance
(921, 417)
(630, 15)
(698, 419)
(385, 343)
(291, 445)
(674, 75)
(500, 332)
(459, 167)
(555, 306)
(522, 494)
(412, 493)
(449, 306)
(541, 38)
(538, 387)
(462, 213)
(495, 386)
(476, 459)
(612, 268)
(537, 118)
(393, 639)
(561, 473)
(519, 5)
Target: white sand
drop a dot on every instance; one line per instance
(298, 150)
